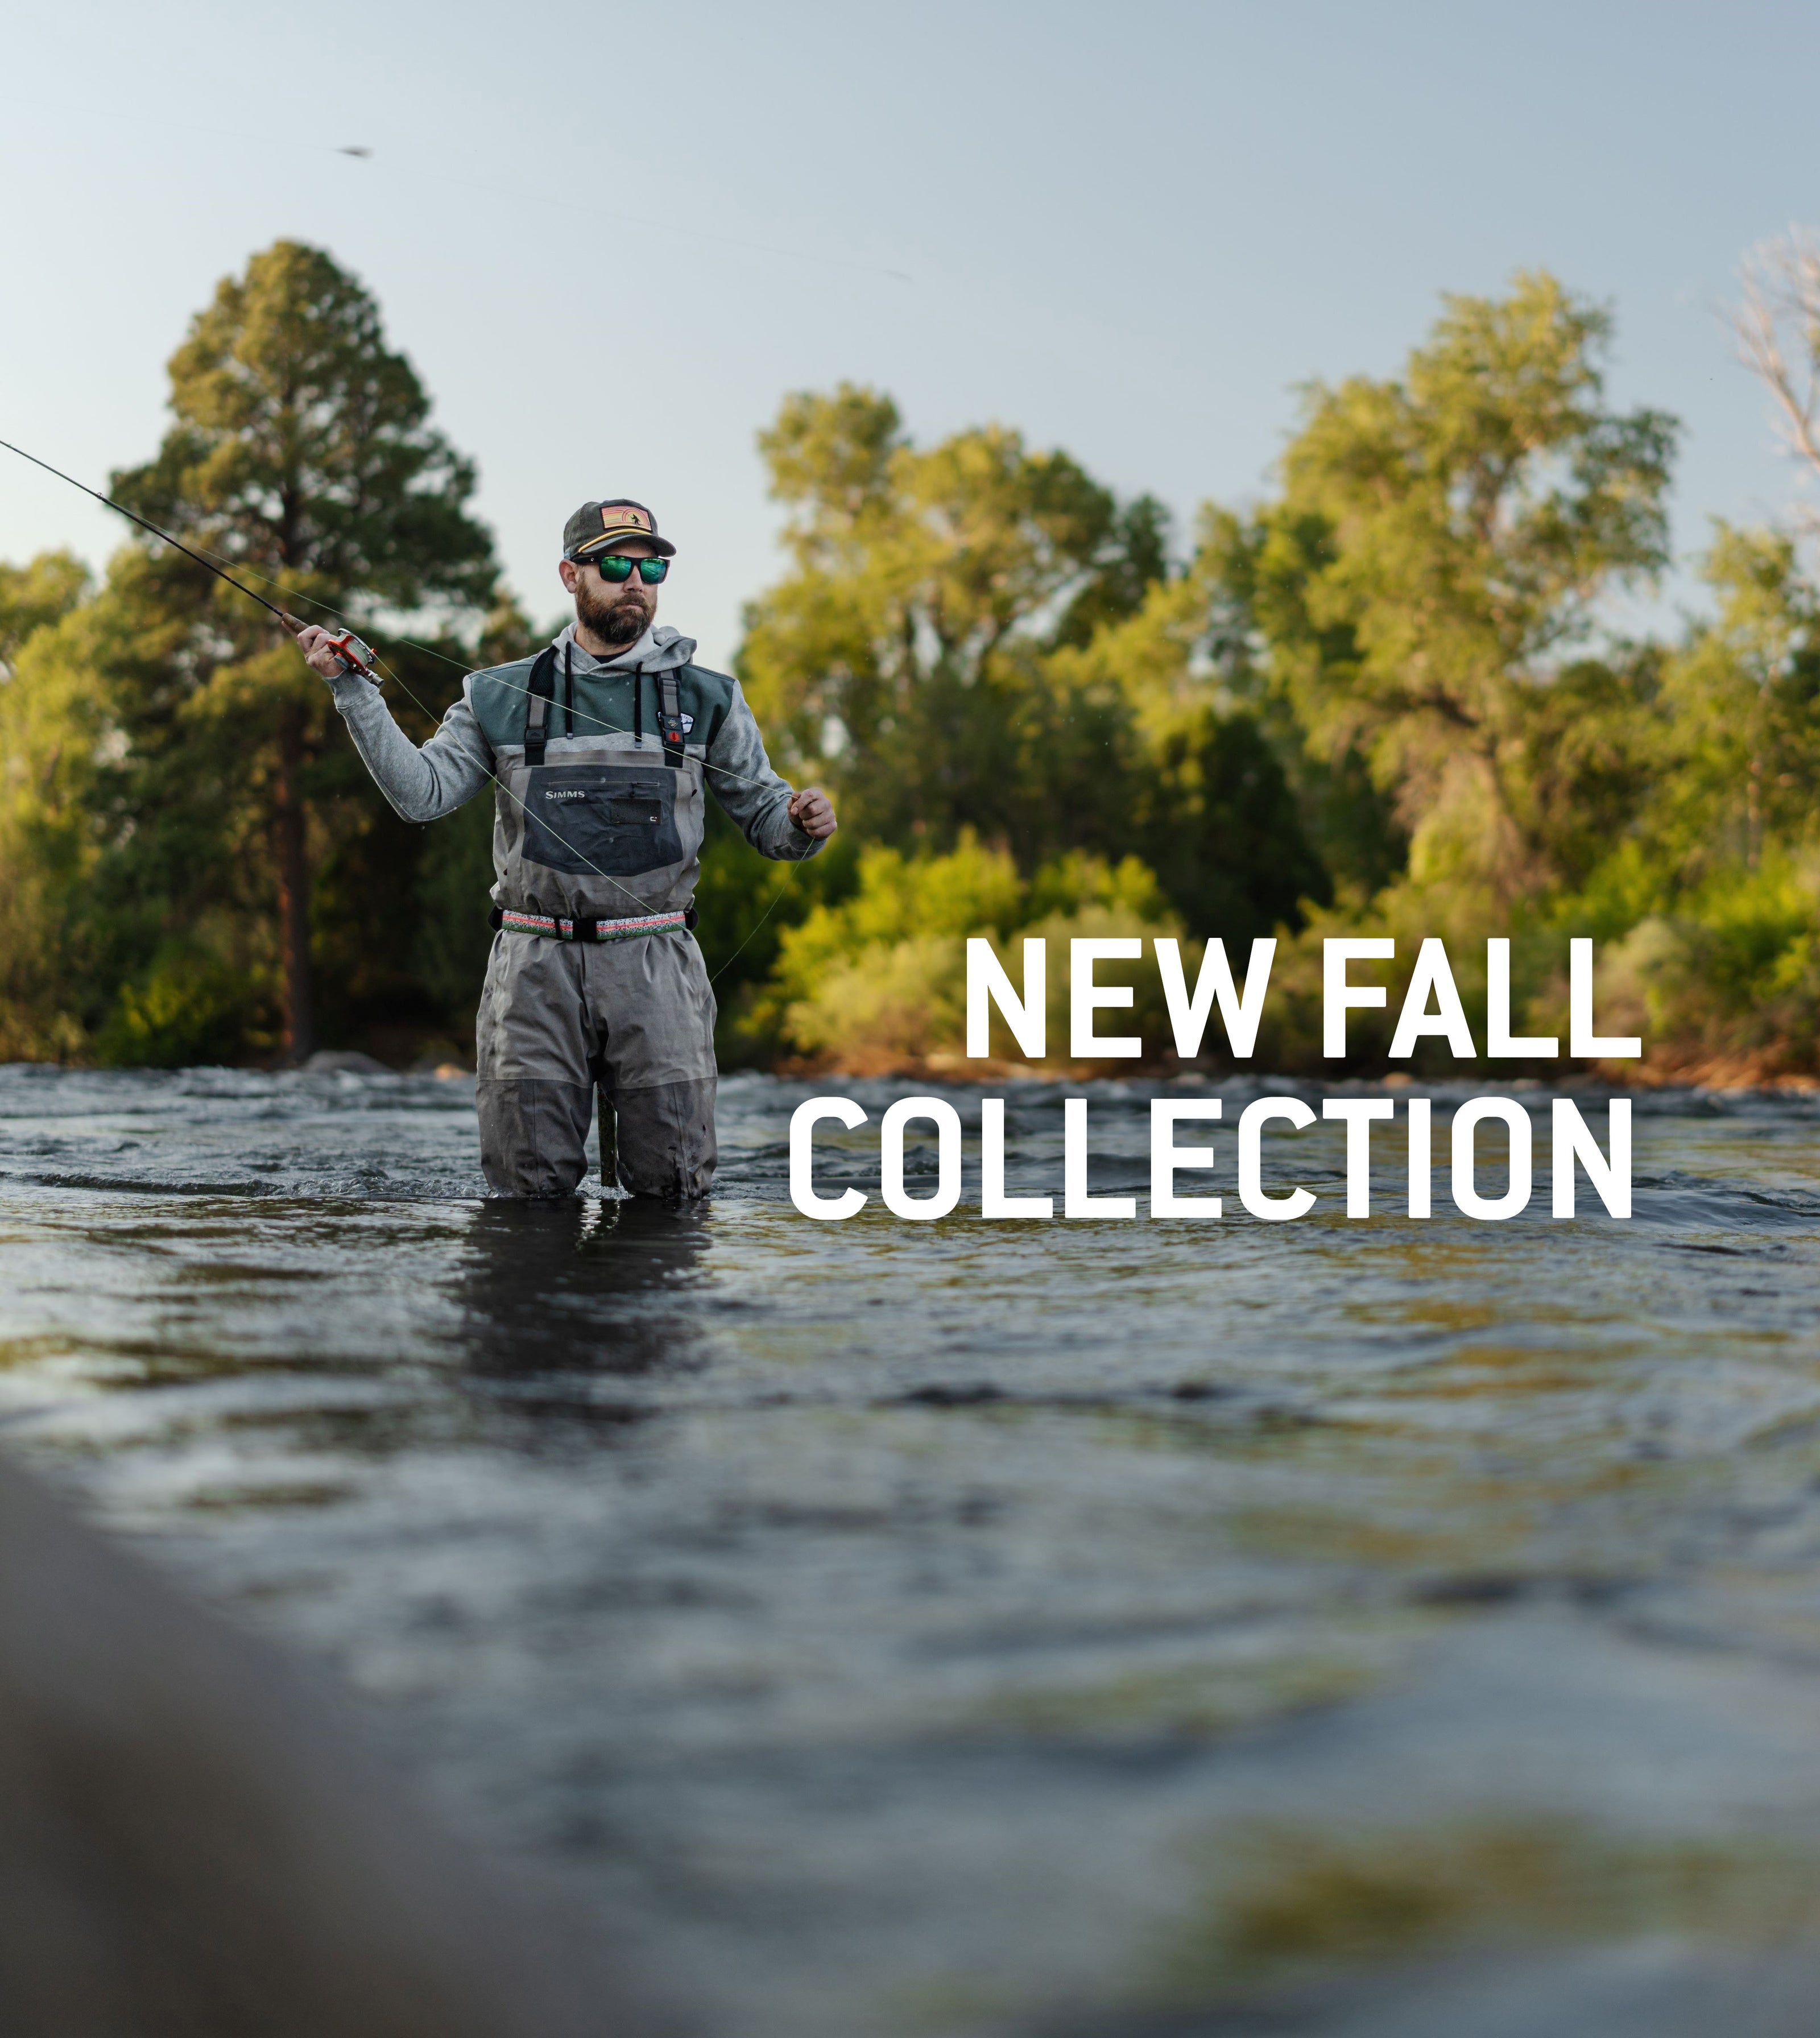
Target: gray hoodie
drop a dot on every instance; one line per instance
(614, 708)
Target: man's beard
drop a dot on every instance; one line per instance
(617, 622)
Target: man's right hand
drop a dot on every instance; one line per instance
(322, 656)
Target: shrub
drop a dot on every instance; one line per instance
(881, 976)
(188, 1008)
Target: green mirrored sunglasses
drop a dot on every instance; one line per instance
(615, 567)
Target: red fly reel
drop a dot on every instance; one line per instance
(356, 656)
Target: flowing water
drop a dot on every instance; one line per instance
(977, 1627)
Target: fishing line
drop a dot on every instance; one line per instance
(328, 608)
(288, 621)
(133, 515)
(207, 558)
(790, 870)
(292, 625)
(643, 904)
(792, 865)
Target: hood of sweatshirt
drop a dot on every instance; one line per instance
(661, 650)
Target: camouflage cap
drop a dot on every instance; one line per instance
(595, 527)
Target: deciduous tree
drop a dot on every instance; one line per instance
(1438, 552)
(903, 652)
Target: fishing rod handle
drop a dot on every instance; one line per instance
(356, 655)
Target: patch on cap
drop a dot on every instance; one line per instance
(595, 525)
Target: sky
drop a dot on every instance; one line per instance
(612, 240)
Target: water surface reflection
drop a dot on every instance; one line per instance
(940, 1628)
(595, 1289)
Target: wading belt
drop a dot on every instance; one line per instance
(558, 929)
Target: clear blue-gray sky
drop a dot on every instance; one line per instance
(610, 238)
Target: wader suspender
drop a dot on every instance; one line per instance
(670, 719)
(542, 690)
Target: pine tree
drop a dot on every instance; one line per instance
(301, 453)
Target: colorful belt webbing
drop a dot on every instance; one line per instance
(562, 930)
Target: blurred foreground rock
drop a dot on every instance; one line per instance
(190, 1844)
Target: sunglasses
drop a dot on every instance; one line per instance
(615, 567)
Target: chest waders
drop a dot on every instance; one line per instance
(595, 982)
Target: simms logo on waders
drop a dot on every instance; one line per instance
(574, 793)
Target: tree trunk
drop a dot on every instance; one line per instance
(294, 891)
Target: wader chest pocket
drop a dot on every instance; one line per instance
(583, 818)
(626, 810)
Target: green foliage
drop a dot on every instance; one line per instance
(189, 1007)
(881, 975)
(1742, 755)
(978, 637)
(744, 902)
(33, 598)
(1713, 888)
(1440, 540)
(1379, 701)
(302, 446)
(1202, 795)
(453, 936)
(1732, 970)
(901, 657)
(51, 739)
(301, 453)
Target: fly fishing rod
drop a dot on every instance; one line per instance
(356, 656)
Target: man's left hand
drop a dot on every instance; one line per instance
(813, 811)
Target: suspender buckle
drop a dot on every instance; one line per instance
(670, 719)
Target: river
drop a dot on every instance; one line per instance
(966, 1627)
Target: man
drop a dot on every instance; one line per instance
(598, 749)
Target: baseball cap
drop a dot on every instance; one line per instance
(598, 526)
